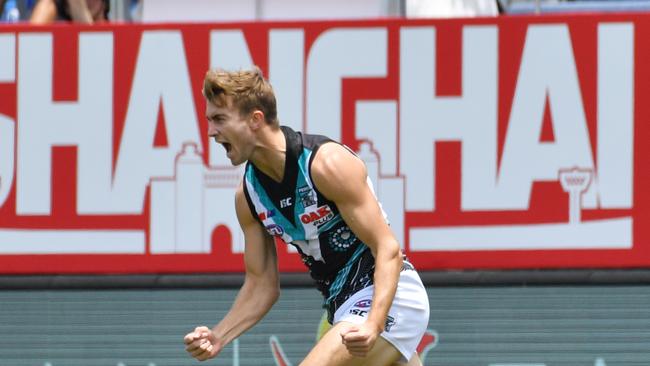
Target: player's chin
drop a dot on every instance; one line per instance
(236, 160)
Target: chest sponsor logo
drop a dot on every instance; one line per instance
(317, 217)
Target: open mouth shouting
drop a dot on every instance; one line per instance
(226, 146)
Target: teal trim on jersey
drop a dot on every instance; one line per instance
(303, 161)
(278, 218)
(342, 276)
(303, 164)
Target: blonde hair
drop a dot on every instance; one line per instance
(247, 88)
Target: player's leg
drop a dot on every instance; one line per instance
(415, 361)
(405, 324)
(331, 351)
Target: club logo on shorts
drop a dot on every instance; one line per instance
(365, 303)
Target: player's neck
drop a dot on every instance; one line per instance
(270, 154)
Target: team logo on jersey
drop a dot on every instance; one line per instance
(318, 216)
(341, 239)
(307, 196)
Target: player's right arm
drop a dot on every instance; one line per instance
(259, 292)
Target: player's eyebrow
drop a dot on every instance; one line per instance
(214, 116)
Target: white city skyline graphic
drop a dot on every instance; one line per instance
(186, 208)
(190, 198)
(613, 233)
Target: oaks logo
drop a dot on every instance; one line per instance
(317, 217)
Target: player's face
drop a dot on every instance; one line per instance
(231, 130)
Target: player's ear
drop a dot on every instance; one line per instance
(257, 119)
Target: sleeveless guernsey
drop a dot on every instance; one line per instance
(295, 211)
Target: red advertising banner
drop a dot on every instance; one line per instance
(501, 143)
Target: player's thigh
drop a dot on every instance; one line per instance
(414, 361)
(331, 351)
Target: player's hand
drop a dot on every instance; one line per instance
(359, 339)
(202, 344)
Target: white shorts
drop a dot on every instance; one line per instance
(408, 316)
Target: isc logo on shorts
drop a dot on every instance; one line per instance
(390, 321)
(359, 312)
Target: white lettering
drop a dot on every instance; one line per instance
(86, 124)
(469, 118)
(161, 77)
(7, 57)
(95, 164)
(547, 70)
(615, 151)
(335, 55)
(286, 74)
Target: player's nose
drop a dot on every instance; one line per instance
(212, 130)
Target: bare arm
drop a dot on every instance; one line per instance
(79, 11)
(261, 287)
(44, 12)
(341, 177)
(260, 291)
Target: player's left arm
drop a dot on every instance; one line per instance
(342, 178)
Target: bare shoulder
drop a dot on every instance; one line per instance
(335, 159)
(239, 194)
(241, 206)
(336, 170)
